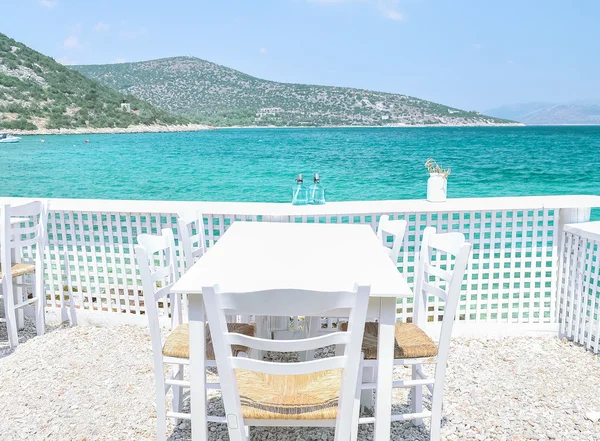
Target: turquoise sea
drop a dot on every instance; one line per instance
(261, 164)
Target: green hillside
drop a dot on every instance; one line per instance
(217, 95)
(37, 92)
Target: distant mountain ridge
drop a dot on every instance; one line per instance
(36, 92)
(221, 96)
(550, 113)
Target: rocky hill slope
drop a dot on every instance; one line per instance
(217, 95)
(36, 92)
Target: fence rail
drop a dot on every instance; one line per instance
(511, 279)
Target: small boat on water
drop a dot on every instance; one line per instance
(8, 138)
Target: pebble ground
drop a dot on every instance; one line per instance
(91, 383)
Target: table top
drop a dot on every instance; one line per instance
(255, 256)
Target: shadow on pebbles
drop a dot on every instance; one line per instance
(92, 383)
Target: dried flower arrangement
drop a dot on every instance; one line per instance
(433, 167)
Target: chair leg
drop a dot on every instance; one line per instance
(314, 324)
(177, 391)
(436, 401)
(9, 312)
(416, 402)
(366, 396)
(263, 330)
(40, 303)
(18, 297)
(161, 406)
(236, 432)
(357, 404)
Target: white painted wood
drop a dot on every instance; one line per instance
(110, 227)
(198, 401)
(578, 303)
(449, 252)
(394, 230)
(193, 237)
(23, 240)
(385, 356)
(283, 302)
(284, 210)
(391, 234)
(314, 256)
(159, 270)
(301, 256)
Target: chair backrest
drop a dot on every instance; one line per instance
(193, 237)
(23, 233)
(157, 263)
(288, 302)
(394, 230)
(442, 264)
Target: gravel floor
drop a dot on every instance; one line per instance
(89, 383)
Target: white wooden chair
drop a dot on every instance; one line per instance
(394, 230)
(193, 237)
(442, 264)
(324, 392)
(157, 263)
(391, 235)
(22, 244)
(193, 244)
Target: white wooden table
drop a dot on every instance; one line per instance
(257, 256)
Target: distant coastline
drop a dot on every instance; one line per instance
(375, 127)
(158, 128)
(154, 128)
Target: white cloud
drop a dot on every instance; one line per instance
(65, 61)
(133, 34)
(120, 60)
(477, 46)
(48, 3)
(263, 50)
(389, 9)
(101, 27)
(72, 42)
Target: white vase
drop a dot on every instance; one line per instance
(437, 186)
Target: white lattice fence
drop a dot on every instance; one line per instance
(579, 300)
(511, 277)
(99, 249)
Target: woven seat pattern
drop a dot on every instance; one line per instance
(20, 269)
(410, 341)
(289, 397)
(177, 342)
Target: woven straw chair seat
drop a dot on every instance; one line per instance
(289, 397)
(20, 269)
(177, 342)
(411, 341)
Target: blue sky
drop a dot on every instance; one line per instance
(472, 54)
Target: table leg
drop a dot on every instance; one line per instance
(385, 365)
(197, 368)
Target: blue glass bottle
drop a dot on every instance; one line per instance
(300, 192)
(317, 192)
